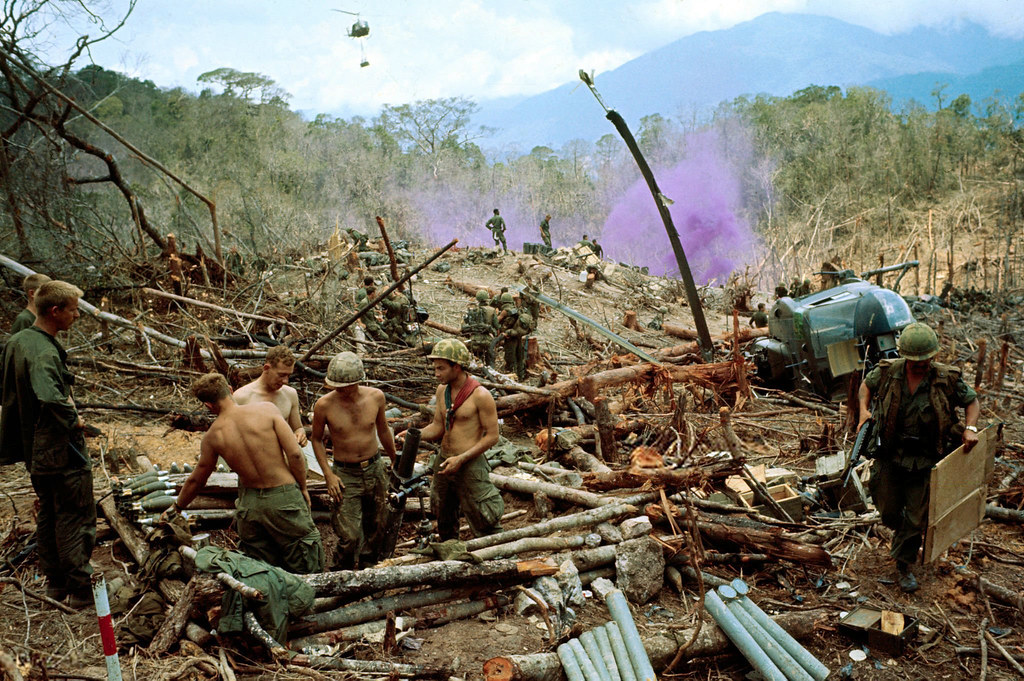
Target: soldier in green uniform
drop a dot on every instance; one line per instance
(357, 480)
(371, 320)
(40, 426)
(497, 226)
(545, 230)
(596, 248)
(781, 291)
(27, 317)
(915, 425)
(586, 242)
(359, 239)
(805, 288)
(516, 326)
(480, 325)
(760, 318)
(466, 422)
(396, 316)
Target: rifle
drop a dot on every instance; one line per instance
(858, 445)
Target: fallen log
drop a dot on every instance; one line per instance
(680, 331)
(353, 583)
(660, 649)
(717, 373)
(450, 330)
(661, 477)
(750, 537)
(566, 522)
(1008, 515)
(217, 308)
(585, 461)
(174, 624)
(528, 544)
(574, 496)
(471, 289)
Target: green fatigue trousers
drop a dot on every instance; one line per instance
(545, 235)
(515, 356)
(499, 237)
(470, 489)
(276, 526)
(480, 346)
(66, 529)
(360, 518)
(901, 496)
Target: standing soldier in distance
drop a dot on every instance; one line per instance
(497, 226)
(760, 318)
(545, 230)
(916, 425)
(358, 479)
(27, 317)
(40, 426)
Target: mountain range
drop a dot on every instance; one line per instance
(774, 54)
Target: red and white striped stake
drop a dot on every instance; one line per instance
(99, 597)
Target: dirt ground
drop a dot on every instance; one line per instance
(948, 606)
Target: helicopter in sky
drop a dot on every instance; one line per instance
(359, 29)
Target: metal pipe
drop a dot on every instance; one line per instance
(589, 643)
(590, 672)
(811, 664)
(741, 638)
(569, 663)
(605, 647)
(783, 660)
(619, 650)
(619, 609)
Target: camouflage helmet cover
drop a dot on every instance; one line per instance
(451, 349)
(918, 342)
(481, 296)
(344, 370)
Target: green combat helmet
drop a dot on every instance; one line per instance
(482, 297)
(344, 370)
(507, 299)
(455, 351)
(918, 342)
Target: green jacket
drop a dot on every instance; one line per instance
(916, 430)
(24, 320)
(496, 224)
(517, 326)
(37, 424)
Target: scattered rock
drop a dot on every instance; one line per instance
(639, 568)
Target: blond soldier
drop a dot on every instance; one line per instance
(273, 520)
(272, 386)
(358, 478)
(27, 317)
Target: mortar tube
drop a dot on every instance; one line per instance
(569, 663)
(589, 643)
(590, 672)
(741, 638)
(783, 660)
(605, 647)
(811, 664)
(619, 609)
(407, 460)
(619, 651)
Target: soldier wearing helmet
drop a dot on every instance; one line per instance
(357, 480)
(915, 426)
(480, 325)
(466, 422)
(516, 325)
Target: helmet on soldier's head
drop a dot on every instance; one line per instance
(918, 342)
(506, 298)
(344, 370)
(481, 296)
(451, 349)
(662, 310)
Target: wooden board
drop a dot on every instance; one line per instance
(956, 503)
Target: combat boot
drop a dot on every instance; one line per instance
(907, 581)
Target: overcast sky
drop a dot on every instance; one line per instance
(482, 49)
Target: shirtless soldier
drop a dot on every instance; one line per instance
(273, 519)
(358, 480)
(466, 422)
(272, 386)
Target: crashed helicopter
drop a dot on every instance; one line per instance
(818, 340)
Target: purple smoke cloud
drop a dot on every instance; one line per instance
(707, 214)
